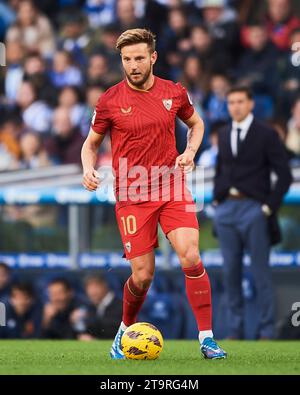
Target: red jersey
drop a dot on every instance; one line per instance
(142, 124)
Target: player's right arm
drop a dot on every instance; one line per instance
(89, 153)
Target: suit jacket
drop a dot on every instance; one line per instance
(260, 153)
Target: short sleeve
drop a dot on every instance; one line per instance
(101, 120)
(186, 108)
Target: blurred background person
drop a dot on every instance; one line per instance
(5, 282)
(64, 146)
(32, 154)
(293, 133)
(57, 323)
(281, 21)
(105, 310)
(247, 206)
(63, 71)
(32, 29)
(23, 313)
(72, 99)
(36, 114)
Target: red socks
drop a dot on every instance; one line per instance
(133, 299)
(199, 295)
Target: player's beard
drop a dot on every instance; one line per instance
(139, 84)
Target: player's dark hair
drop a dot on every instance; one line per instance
(136, 36)
(241, 89)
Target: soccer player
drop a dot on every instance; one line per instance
(139, 112)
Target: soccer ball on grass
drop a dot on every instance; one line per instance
(142, 341)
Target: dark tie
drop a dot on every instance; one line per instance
(238, 140)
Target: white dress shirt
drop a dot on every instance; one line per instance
(244, 126)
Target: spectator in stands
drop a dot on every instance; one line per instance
(126, 15)
(257, 68)
(98, 71)
(289, 74)
(194, 79)
(33, 155)
(100, 12)
(5, 282)
(246, 207)
(72, 99)
(216, 105)
(32, 29)
(65, 145)
(36, 114)
(7, 17)
(93, 93)
(213, 58)
(105, 310)
(23, 314)
(208, 158)
(64, 72)
(293, 135)
(75, 38)
(10, 128)
(222, 26)
(107, 48)
(57, 323)
(175, 40)
(35, 71)
(259, 61)
(281, 21)
(14, 70)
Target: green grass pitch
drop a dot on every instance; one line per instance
(177, 357)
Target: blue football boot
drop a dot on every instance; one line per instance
(211, 350)
(116, 348)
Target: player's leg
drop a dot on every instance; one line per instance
(138, 228)
(134, 295)
(185, 243)
(179, 222)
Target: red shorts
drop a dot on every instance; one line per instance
(138, 223)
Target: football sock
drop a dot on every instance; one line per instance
(199, 296)
(133, 299)
(204, 334)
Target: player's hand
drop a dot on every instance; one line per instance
(185, 161)
(91, 180)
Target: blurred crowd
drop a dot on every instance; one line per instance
(60, 310)
(60, 57)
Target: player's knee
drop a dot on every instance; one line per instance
(143, 278)
(190, 257)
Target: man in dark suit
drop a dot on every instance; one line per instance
(247, 203)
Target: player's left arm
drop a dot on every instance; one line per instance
(194, 138)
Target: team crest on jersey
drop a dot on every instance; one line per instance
(128, 246)
(126, 110)
(168, 103)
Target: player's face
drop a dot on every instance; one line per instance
(138, 63)
(239, 106)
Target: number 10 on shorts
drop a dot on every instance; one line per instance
(129, 224)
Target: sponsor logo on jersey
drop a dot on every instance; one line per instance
(168, 103)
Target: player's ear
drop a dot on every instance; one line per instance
(153, 57)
